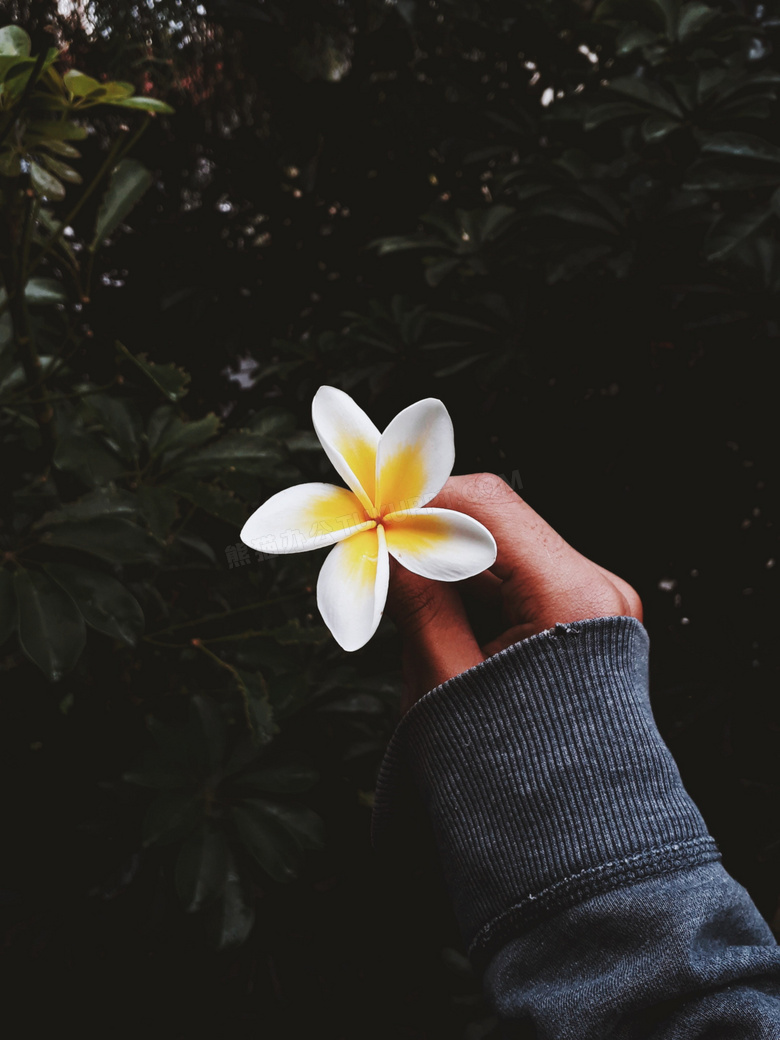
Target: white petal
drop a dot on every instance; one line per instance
(440, 543)
(304, 517)
(415, 457)
(349, 438)
(352, 588)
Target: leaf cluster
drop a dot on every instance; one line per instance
(115, 495)
(39, 110)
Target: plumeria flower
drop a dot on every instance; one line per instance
(390, 477)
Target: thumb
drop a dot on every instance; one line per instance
(437, 642)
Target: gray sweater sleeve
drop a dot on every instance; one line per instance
(586, 886)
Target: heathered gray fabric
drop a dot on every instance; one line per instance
(581, 873)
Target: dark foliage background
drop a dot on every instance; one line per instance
(562, 219)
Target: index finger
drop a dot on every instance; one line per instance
(529, 550)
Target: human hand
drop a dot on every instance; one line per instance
(538, 581)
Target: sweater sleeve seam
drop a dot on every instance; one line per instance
(655, 862)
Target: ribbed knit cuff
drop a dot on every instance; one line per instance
(544, 778)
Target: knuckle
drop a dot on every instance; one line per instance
(489, 486)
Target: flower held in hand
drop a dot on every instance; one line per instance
(391, 476)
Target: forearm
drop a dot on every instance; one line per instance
(561, 823)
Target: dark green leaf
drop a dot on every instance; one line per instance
(302, 824)
(129, 180)
(760, 252)
(612, 11)
(243, 451)
(210, 497)
(52, 227)
(743, 108)
(709, 80)
(731, 229)
(61, 170)
(600, 114)
(655, 128)
(119, 421)
(117, 89)
(160, 771)
(158, 506)
(356, 704)
(281, 779)
(45, 184)
(605, 201)
(113, 539)
(730, 83)
(257, 705)
(51, 628)
(158, 423)
(572, 211)
(15, 373)
(398, 243)
(142, 104)
(202, 867)
(206, 725)
(60, 148)
(14, 41)
(193, 748)
(632, 37)
(576, 260)
(179, 437)
(458, 366)
(172, 816)
(646, 92)
(105, 603)
(243, 756)
(61, 129)
(670, 10)
(714, 175)
(7, 604)
(80, 85)
(42, 291)
(272, 422)
(289, 692)
(11, 65)
(169, 379)
(87, 458)
(693, 18)
(293, 634)
(276, 850)
(102, 502)
(229, 920)
(494, 221)
(444, 224)
(10, 163)
(303, 440)
(196, 543)
(740, 145)
(436, 272)
(461, 320)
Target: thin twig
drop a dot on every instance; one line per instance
(226, 614)
(115, 155)
(61, 397)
